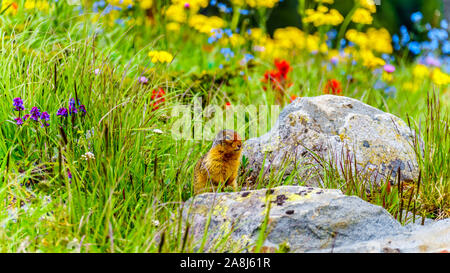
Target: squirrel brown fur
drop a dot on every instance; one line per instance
(218, 168)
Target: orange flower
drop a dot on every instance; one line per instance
(293, 97)
(157, 97)
(333, 86)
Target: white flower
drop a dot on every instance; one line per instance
(157, 131)
(88, 156)
(156, 223)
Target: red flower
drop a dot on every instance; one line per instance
(293, 97)
(157, 97)
(333, 86)
(283, 68)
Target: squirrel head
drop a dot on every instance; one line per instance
(228, 141)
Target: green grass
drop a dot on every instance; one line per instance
(129, 196)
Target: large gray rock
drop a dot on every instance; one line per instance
(303, 219)
(338, 130)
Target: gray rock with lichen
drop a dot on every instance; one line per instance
(303, 219)
(339, 130)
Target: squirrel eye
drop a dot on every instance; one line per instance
(227, 137)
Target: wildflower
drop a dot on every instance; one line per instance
(143, 80)
(69, 175)
(439, 77)
(146, 4)
(420, 71)
(160, 56)
(389, 68)
(362, 16)
(72, 108)
(292, 98)
(430, 60)
(227, 53)
(157, 97)
(157, 131)
(62, 112)
(227, 105)
(18, 104)
(283, 66)
(45, 117)
(97, 71)
(82, 109)
(416, 17)
(87, 156)
(410, 86)
(333, 86)
(35, 113)
(27, 116)
(19, 121)
(390, 91)
(414, 47)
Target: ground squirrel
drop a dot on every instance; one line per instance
(218, 168)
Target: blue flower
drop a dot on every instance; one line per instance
(244, 11)
(414, 47)
(446, 47)
(332, 34)
(438, 34)
(390, 91)
(405, 35)
(396, 41)
(430, 45)
(227, 53)
(444, 24)
(416, 17)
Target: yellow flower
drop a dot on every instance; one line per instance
(369, 5)
(387, 77)
(370, 60)
(377, 40)
(411, 86)
(160, 56)
(321, 17)
(362, 16)
(176, 13)
(205, 24)
(262, 3)
(37, 4)
(9, 7)
(172, 26)
(380, 40)
(439, 77)
(420, 71)
(146, 4)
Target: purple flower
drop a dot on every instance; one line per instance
(45, 116)
(62, 112)
(18, 104)
(389, 68)
(19, 121)
(143, 80)
(82, 109)
(432, 61)
(26, 117)
(69, 174)
(72, 108)
(34, 113)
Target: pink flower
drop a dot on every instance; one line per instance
(143, 80)
(97, 71)
(389, 68)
